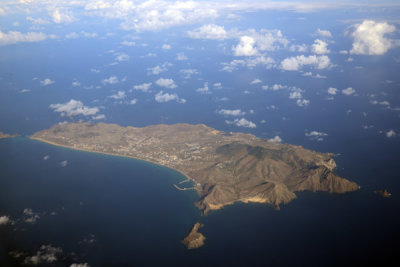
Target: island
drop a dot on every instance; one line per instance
(194, 239)
(383, 193)
(4, 135)
(225, 167)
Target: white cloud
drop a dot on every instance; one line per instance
(133, 101)
(256, 81)
(332, 91)
(79, 265)
(5, 220)
(231, 112)
(217, 86)
(46, 82)
(13, 37)
(46, 157)
(320, 47)
(24, 91)
(242, 123)
(323, 33)
(383, 103)
(122, 57)
(159, 68)
(315, 135)
(209, 31)
(73, 108)
(245, 47)
(249, 62)
(59, 17)
(295, 95)
(37, 21)
(390, 134)
(30, 216)
(166, 47)
(348, 91)
(162, 98)
(118, 96)
(64, 163)
(222, 99)
(302, 102)
(142, 87)
(319, 76)
(76, 83)
(72, 35)
(128, 43)
(46, 254)
(259, 60)
(111, 80)
(274, 87)
(298, 48)
(251, 42)
(298, 62)
(189, 72)
(276, 139)
(99, 117)
(88, 34)
(181, 57)
(167, 83)
(157, 15)
(369, 38)
(269, 40)
(204, 89)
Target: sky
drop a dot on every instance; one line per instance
(234, 65)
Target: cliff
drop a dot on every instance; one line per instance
(225, 167)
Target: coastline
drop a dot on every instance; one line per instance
(115, 155)
(210, 206)
(213, 183)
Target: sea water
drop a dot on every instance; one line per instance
(106, 210)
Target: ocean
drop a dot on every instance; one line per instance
(111, 211)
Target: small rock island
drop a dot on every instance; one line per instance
(383, 193)
(194, 239)
(225, 167)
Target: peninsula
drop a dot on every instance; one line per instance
(225, 167)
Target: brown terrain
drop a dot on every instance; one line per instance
(194, 239)
(383, 193)
(3, 135)
(225, 167)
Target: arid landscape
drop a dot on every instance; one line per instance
(225, 167)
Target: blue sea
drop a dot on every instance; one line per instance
(112, 211)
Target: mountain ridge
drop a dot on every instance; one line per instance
(225, 167)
